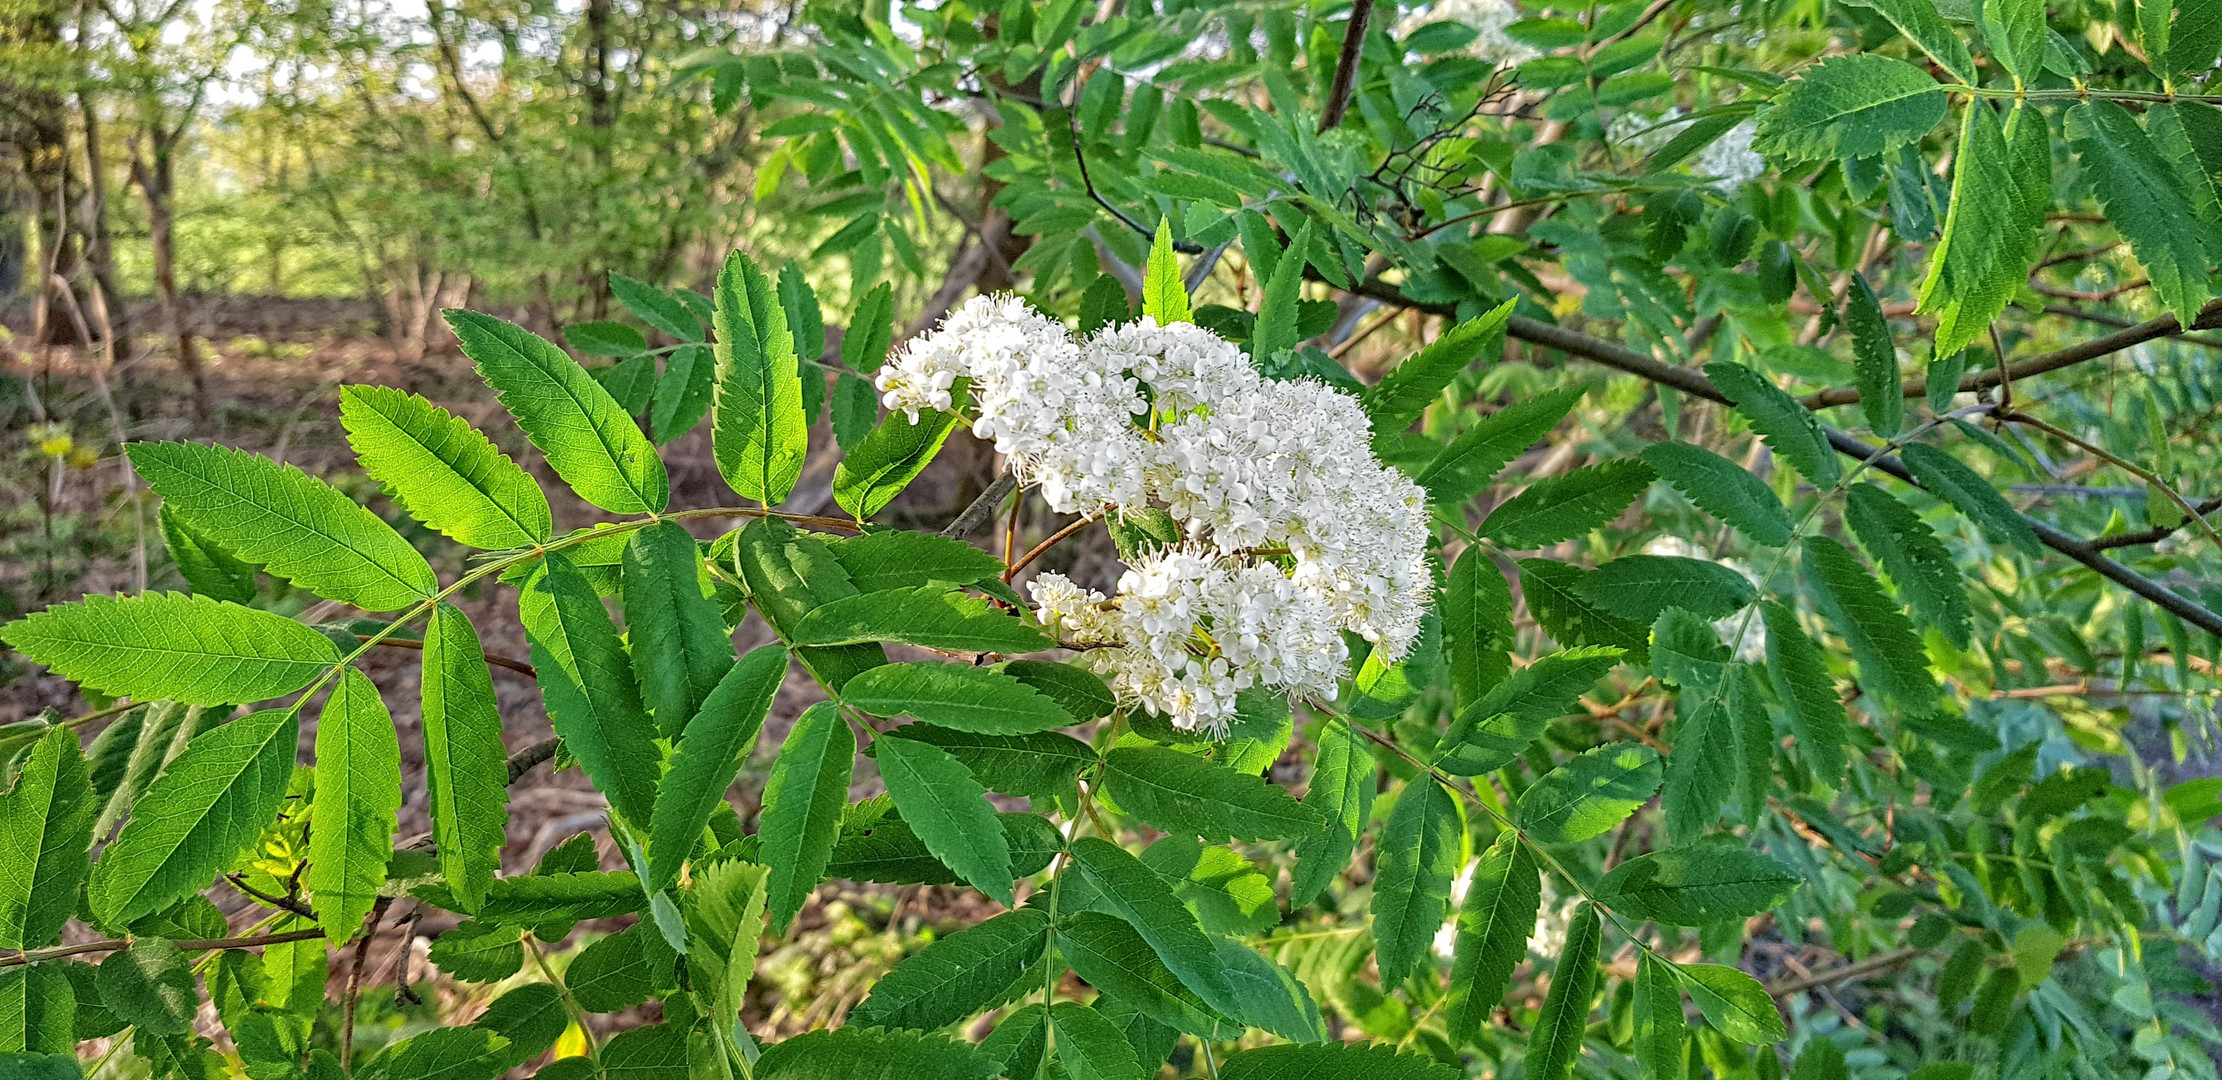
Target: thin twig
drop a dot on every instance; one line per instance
(1875, 963)
(981, 508)
(1346, 66)
(1055, 538)
(518, 666)
(34, 956)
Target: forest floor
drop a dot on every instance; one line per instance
(274, 372)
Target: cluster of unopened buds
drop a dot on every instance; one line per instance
(1295, 532)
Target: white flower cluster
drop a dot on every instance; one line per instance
(1489, 18)
(1730, 160)
(1174, 416)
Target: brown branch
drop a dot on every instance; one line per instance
(1346, 66)
(981, 508)
(492, 660)
(1055, 538)
(2153, 535)
(523, 760)
(2210, 317)
(1869, 966)
(56, 952)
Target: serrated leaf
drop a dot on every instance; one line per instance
(1801, 679)
(1184, 793)
(589, 439)
(1276, 327)
(1949, 479)
(466, 781)
(802, 807)
(957, 696)
(956, 976)
(1490, 733)
(207, 568)
(587, 682)
(1549, 587)
(1787, 427)
(205, 808)
(948, 810)
(46, 825)
(887, 851)
(679, 644)
(295, 526)
(1734, 1003)
(1476, 609)
(1413, 864)
(1851, 106)
(149, 985)
(871, 329)
(1108, 952)
(1078, 691)
(1698, 884)
(1090, 1046)
(1557, 1039)
(1661, 1029)
(1228, 893)
(1333, 1061)
(717, 744)
(1473, 459)
(1976, 267)
(683, 392)
(1494, 925)
(1639, 587)
(902, 559)
(656, 307)
(443, 471)
(1874, 359)
(1919, 564)
(1164, 295)
(1724, 489)
(455, 1053)
(1040, 765)
(789, 573)
(1922, 25)
(1891, 660)
(479, 952)
(1405, 392)
(758, 431)
(929, 616)
(2146, 201)
(890, 457)
(1589, 795)
(855, 1053)
(543, 898)
(603, 337)
(1138, 895)
(1560, 508)
(723, 909)
(358, 795)
(1341, 790)
(171, 645)
(1267, 996)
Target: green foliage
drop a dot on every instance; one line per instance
(466, 782)
(760, 432)
(48, 817)
(802, 807)
(358, 792)
(444, 472)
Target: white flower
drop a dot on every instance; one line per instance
(1296, 533)
(1488, 18)
(1730, 160)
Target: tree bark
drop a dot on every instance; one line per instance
(155, 181)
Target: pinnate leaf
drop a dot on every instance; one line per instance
(1589, 795)
(444, 472)
(949, 812)
(358, 794)
(1694, 885)
(759, 434)
(1788, 428)
(590, 440)
(716, 745)
(1557, 1038)
(956, 696)
(1494, 924)
(1472, 460)
(802, 806)
(1404, 393)
(1850, 107)
(1724, 489)
(929, 616)
(1413, 865)
(46, 825)
(1491, 732)
(1891, 660)
(587, 681)
(466, 779)
(1333, 1061)
(1734, 1003)
(956, 976)
(679, 643)
(1184, 793)
(858, 1053)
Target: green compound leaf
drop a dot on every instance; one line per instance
(855, 1053)
(956, 696)
(1038, 766)
(479, 952)
(901, 559)
(444, 472)
(1799, 671)
(1701, 770)
(1734, 1003)
(1491, 732)
(656, 307)
(1891, 660)
(1467, 465)
(890, 457)
(1850, 107)
(1696, 885)
(1949, 479)
(46, 825)
(683, 393)
(1976, 268)
(929, 616)
(463, 1053)
(1279, 312)
(1550, 590)
(717, 744)
(1494, 925)
(679, 643)
(590, 440)
(1333, 1061)
(171, 645)
(1919, 564)
(1560, 508)
(1405, 392)
(802, 807)
(1874, 359)
(1921, 23)
(358, 797)
(206, 566)
(1787, 427)
(1661, 1029)
(622, 970)
(1724, 489)
(1267, 996)
(956, 976)
(758, 432)
(949, 812)
(1228, 893)
(1090, 1046)
(1075, 689)
(1184, 793)
(2146, 200)
(1557, 1038)
(541, 899)
(724, 912)
(1414, 862)
(296, 526)
(887, 851)
(466, 777)
(1164, 295)
(1589, 795)
(587, 681)
(1140, 896)
(1109, 953)
(1341, 790)
(1476, 608)
(205, 808)
(149, 985)
(1639, 587)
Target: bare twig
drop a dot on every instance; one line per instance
(1869, 966)
(1346, 66)
(981, 508)
(513, 664)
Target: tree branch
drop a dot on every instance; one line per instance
(1346, 66)
(1875, 963)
